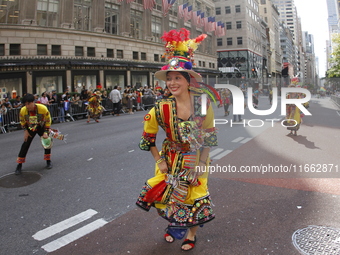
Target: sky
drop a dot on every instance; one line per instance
(314, 15)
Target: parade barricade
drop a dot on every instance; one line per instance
(148, 102)
(9, 119)
(336, 99)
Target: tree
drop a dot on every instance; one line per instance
(334, 71)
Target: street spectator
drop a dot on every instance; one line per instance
(44, 99)
(17, 103)
(7, 103)
(61, 109)
(116, 99)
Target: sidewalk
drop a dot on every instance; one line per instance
(253, 216)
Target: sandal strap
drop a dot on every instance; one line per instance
(190, 242)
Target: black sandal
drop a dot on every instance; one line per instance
(168, 234)
(190, 242)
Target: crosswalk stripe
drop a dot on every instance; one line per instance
(57, 228)
(214, 152)
(64, 240)
(237, 139)
(221, 155)
(246, 140)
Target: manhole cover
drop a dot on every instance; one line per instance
(317, 240)
(16, 181)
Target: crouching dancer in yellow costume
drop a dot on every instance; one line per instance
(179, 189)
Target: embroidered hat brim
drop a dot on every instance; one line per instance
(161, 75)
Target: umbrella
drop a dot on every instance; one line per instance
(322, 89)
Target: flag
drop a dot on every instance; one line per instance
(196, 17)
(211, 24)
(187, 13)
(181, 10)
(167, 4)
(202, 22)
(220, 30)
(148, 4)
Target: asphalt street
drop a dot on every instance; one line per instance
(85, 204)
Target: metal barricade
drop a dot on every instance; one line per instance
(10, 118)
(336, 99)
(147, 102)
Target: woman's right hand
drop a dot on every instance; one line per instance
(26, 135)
(163, 167)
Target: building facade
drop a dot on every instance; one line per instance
(75, 44)
(242, 53)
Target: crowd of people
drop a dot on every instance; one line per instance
(68, 106)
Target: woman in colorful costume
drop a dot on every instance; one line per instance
(179, 188)
(293, 114)
(94, 107)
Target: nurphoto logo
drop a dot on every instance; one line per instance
(238, 102)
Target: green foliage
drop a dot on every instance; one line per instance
(334, 71)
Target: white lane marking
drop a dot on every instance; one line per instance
(61, 226)
(246, 140)
(214, 152)
(64, 240)
(338, 113)
(221, 155)
(237, 139)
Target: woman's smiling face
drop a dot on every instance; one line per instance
(176, 83)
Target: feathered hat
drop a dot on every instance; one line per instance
(180, 53)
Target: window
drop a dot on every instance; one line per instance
(109, 53)
(143, 56)
(82, 14)
(156, 57)
(56, 50)
(9, 12)
(42, 49)
(14, 50)
(239, 41)
(228, 25)
(120, 54)
(219, 42)
(2, 49)
(111, 18)
(79, 51)
(156, 28)
(237, 8)
(203, 63)
(91, 52)
(218, 11)
(172, 25)
(227, 10)
(135, 55)
(238, 24)
(229, 41)
(136, 24)
(47, 13)
(200, 63)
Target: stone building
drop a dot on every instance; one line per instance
(71, 44)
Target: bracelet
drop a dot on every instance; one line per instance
(160, 160)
